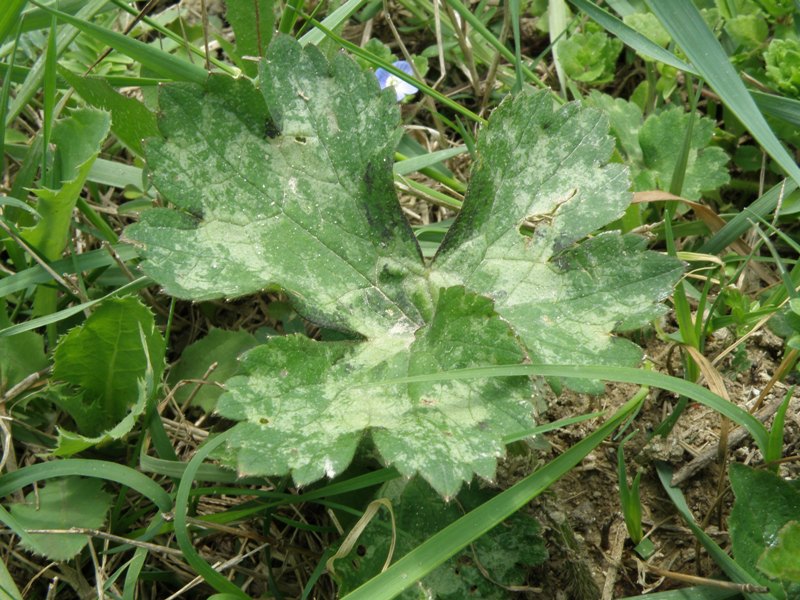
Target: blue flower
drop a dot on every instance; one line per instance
(401, 88)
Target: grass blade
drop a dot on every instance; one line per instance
(484, 31)
(159, 62)
(55, 317)
(417, 163)
(630, 37)
(331, 22)
(33, 80)
(94, 259)
(9, 17)
(732, 569)
(775, 106)
(11, 482)
(787, 109)
(606, 373)
(744, 220)
(212, 577)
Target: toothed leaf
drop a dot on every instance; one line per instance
(290, 186)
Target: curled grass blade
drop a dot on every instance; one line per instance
(212, 577)
(100, 469)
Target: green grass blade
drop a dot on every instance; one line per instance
(33, 80)
(558, 21)
(5, 92)
(212, 577)
(417, 163)
(732, 569)
(775, 106)
(742, 222)
(49, 101)
(687, 27)
(356, 50)
(94, 259)
(19, 530)
(515, 17)
(539, 429)
(159, 62)
(692, 593)
(136, 563)
(7, 585)
(291, 11)
(331, 22)
(630, 37)
(9, 17)
(8, 201)
(486, 34)
(787, 109)
(133, 286)
(11, 482)
(168, 33)
(605, 373)
(103, 171)
(438, 548)
(36, 18)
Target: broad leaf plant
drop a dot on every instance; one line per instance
(287, 184)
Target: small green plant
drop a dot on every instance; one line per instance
(590, 57)
(631, 504)
(783, 65)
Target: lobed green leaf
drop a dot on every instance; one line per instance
(290, 186)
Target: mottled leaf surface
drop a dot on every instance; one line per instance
(310, 210)
(549, 168)
(494, 562)
(305, 404)
(290, 186)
